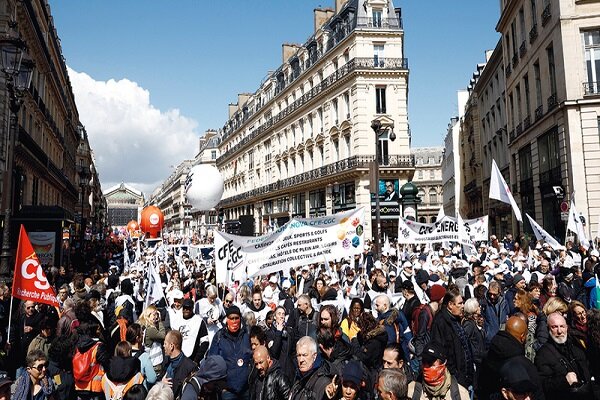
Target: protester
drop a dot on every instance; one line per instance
(352, 383)
(392, 385)
(269, 382)
(312, 376)
(176, 366)
(34, 384)
(207, 383)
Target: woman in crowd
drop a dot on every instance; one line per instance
(578, 324)
(280, 338)
(473, 326)
(154, 336)
(135, 337)
(535, 290)
(350, 324)
(124, 372)
(555, 304)
(372, 339)
(548, 290)
(211, 309)
(537, 326)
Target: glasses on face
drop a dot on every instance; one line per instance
(29, 307)
(227, 301)
(40, 367)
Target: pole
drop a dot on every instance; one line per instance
(377, 233)
(7, 192)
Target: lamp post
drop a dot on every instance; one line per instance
(380, 130)
(84, 177)
(17, 75)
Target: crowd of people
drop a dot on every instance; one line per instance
(515, 321)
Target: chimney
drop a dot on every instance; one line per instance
(288, 50)
(321, 16)
(339, 4)
(242, 99)
(232, 109)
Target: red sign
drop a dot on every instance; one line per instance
(30, 281)
(564, 206)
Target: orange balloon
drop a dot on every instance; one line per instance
(132, 226)
(152, 221)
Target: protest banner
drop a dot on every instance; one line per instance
(446, 229)
(300, 241)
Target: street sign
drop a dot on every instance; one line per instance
(564, 215)
(564, 207)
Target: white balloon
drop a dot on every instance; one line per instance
(204, 187)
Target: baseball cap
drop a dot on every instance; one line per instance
(433, 351)
(407, 285)
(187, 303)
(273, 279)
(286, 284)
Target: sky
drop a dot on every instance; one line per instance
(151, 76)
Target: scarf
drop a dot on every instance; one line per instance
(438, 392)
(23, 387)
(173, 365)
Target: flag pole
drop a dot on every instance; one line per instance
(12, 299)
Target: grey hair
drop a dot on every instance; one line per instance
(211, 291)
(307, 341)
(393, 381)
(69, 304)
(471, 307)
(160, 391)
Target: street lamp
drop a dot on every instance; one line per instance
(84, 177)
(380, 131)
(17, 74)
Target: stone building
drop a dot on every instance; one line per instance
(124, 204)
(428, 178)
(302, 143)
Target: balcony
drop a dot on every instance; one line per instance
(533, 34)
(379, 23)
(469, 187)
(591, 88)
(511, 135)
(546, 15)
(527, 122)
(519, 129)
(313, 175)
(551, 177)
(388, 64)
(515, 60)
(508, 70)
(552, 102)
(522, 50)
(539, 113)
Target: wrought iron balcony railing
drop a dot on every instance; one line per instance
(508, 70)
(590, 88)
(379, 23)
(552, 102)
(527, 122)
(539, 112)
(522, 49)
(354, 162)
(533, 33)
(551, 177)
(546, 15)
(519, 129)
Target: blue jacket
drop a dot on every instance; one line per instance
(591, 286)
(235, 349)
(495, 315)
(394, 319)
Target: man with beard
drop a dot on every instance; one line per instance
(495, 311)
(258, 307)
(562, 365)
(193, 331)
(269, 382)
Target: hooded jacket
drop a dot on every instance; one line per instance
(504, 347)
(122, 369)
(372, 345)
(395, 320)
(275, 385)
(495, 316)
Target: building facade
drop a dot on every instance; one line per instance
(451, 162)
(428, 178)
(124, 203)
(38, 154)
(302, 145)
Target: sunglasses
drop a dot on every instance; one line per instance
(228, 302)
(40, 367)
(30, 307)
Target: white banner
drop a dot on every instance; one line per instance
(446, 229)
(300, 241)
(44, 246)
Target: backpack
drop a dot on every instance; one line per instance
(414, 319)
(85, 366)
(117, 391)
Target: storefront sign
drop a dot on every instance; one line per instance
(44, 246)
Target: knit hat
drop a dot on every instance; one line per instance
(518, 278)
(352, 372)
(233, 310)
(437, 293)
(432, 352)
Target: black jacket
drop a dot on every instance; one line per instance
(312, 385)
(409, 307)
(307, 325)
(477, 338)
(503, 348)
(372, 345)
(183, 370)
(443, 332)
(274, 386)
(281, 347)
(554, 361)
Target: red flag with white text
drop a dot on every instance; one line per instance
(30, 281)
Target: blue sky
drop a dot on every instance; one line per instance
(190, 58)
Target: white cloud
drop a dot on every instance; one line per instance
(133, 141)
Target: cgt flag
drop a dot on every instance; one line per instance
(29, 281)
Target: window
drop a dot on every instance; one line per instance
(519, 112)
(551, 69)
(343, 194)
(377, 15)
(527, 95)
(513, 32)
(213, 154)
(548, 151)
(511, 104)
(348, 146)
(347, 105)
(591, 42)
(378, 55)
(522, 24)
(251, 159)
(35, 182)
(317, 198)
(433, 198)
(334, 111)
(320, 117)
(383, 149)
(431, 174)
(538, 84)
(525, 163)
(299, 204)
(336, 150)
(380, 107)
(533, 13)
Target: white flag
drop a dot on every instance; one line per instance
(465, 238)
(575, 225)
(155, 291)
(441, 214)
(126, 261)
(499, 190)
(386, 246)
(541, 234)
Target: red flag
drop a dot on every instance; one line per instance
(30, 282)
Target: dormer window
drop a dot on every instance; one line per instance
(377, 17)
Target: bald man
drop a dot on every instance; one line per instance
(507, 345)
(269, 380)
